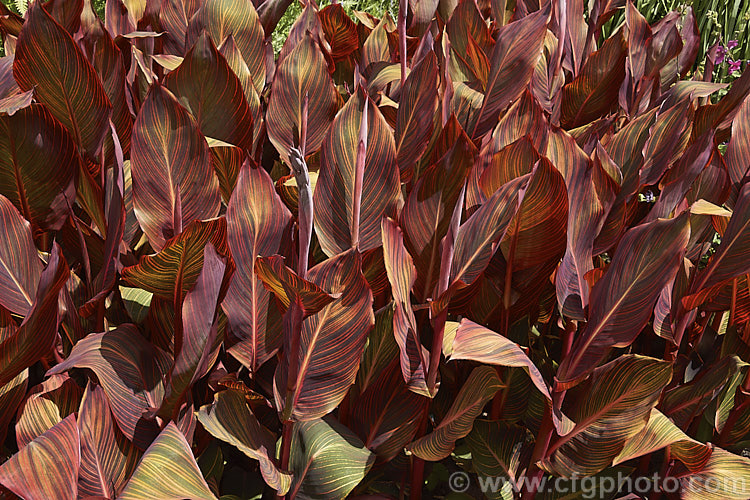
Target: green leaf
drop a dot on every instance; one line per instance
(167, 471)
(228, 418)
(478, 389)
(327, 460)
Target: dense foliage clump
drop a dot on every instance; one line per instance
(503, 240)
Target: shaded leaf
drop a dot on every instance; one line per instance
(228, 418)
(20, 267)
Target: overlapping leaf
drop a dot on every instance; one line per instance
(256, 222)
(206, 84)
(20, 267)
(621, 302)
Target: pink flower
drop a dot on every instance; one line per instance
(732, 44)
(734, 66)
(721, 54)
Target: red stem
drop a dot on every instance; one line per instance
(417, 464)
(540, 451)
(402, 12)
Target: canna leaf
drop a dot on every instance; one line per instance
(131, 372)
(478, 389)
(238, 19)
(173, 180)
(32, 144)
(168, 471)
(612, 407)
(738, 149)
(228, 418)
(256, 223)
(519, 45)
(208, 87)
(327, 460)
(174, 270)
(48, 466)
(647, 258)
(48, 60)
(331, 341)
(36, 336)
(107, 458)
(20, 267)
(302, 73)
(46, 405)
(334, 196)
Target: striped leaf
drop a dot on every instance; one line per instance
(174, 270)
(501, 450)
(32, 144)
(610, 408)
(107, 458)
(289, 287)
(593, 92)
(387, 414)
(228, 418)
(196, 349)
(380, 349)
(585, 218)
(327, 460)
(478, 389)
(20, 267)
(512, 161)
(687, 401)
(401, 275)
(12, 395)
(426, 216)
(536, 234)
(334, 198)
(238, 18)
(658, 433)
(340, 31)
(730, 259)
(738, 149)
(131, 372)
(479, 236)
(647, 258)
(415, 113)
(48, 466)
(234, 59)
(46, 405)
(668, 138)
(49, 61)
(167, 471)
(37, 335)
(519, 45)
(477, 343)
(302, 73)
(256, 223)
(331, 341)
(173, 180)
(724, 477)
(206, 85)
